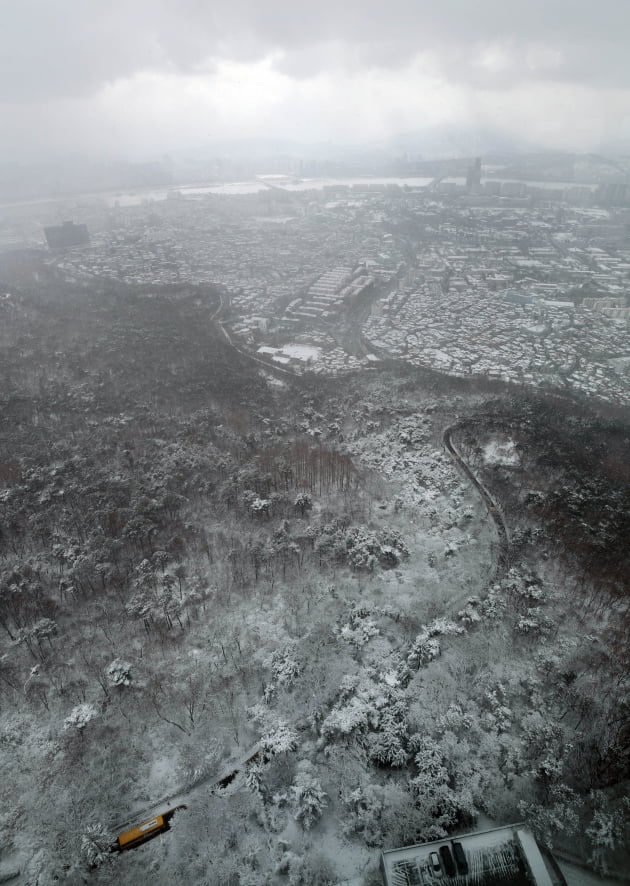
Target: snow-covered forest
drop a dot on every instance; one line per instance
(197, 556)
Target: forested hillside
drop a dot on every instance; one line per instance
(196, 555)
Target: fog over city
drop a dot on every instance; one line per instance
(135, 78)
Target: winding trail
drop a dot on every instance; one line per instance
(493, 509)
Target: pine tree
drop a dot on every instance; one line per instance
(95, 845)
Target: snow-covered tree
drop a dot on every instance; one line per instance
(281, 739)
(260, 507)
(499, 715)
(372, 710)
(95, 845)
(558, 815)
(314, 869)
(43, 629)
(368, 807)
(424, 650)
(387, 746)
(440, 804)
(357, 708)
(253, 778)
(284, 670)
(454, 719)
(606, 829)
(359, 631)
(364, 549)
(160, 559)
(80, 716)
(118, 673)
(426, 646)
(303, 502)
(309, 798)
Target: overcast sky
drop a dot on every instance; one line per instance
(144, 77)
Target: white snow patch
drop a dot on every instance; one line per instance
(302, 352)
(162, 776)
(504, 453)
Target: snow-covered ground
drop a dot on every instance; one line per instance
(501, 453)
(301, 352)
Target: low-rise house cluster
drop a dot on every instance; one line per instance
(521, 284)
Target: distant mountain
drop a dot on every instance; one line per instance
(445, 142)
(431, 151)
(405, 153)
(427, 144)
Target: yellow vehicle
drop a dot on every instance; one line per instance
(145, 831)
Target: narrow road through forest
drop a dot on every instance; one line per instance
(493, 509)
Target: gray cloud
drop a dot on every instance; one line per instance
(137, 77)
(64, 48)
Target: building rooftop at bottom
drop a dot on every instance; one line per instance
(505, 856)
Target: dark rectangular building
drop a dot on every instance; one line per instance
(67, 234)
(506, 856)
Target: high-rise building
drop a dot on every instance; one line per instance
(473, 176)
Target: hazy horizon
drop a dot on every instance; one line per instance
(138, 79)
